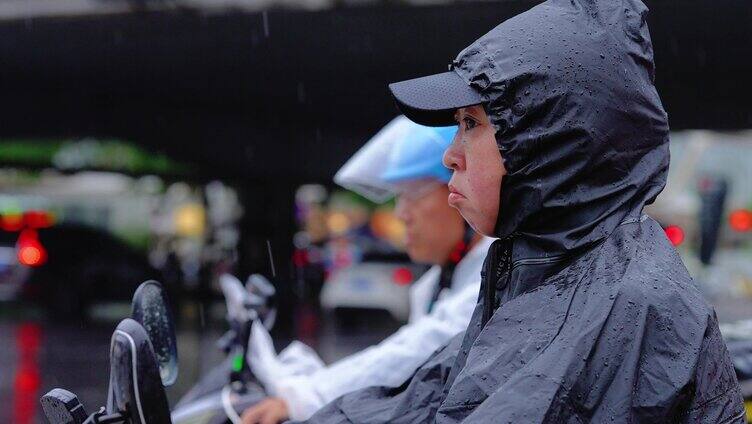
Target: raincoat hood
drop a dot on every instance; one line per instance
(569, 89)
(579, 123)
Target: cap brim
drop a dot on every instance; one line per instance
(433, 100)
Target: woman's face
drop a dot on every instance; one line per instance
(423, 214)
(478, 168)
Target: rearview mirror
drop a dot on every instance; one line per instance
(135, 391)
(150, 308)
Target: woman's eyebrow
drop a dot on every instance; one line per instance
(472, 116)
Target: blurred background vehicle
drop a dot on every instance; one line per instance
(180, 140)
(90, 236)
(372, 284)
(67, 267)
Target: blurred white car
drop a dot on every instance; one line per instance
(372, 285)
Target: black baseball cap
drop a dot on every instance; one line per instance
(433, 100)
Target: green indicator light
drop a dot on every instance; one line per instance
(237, 363)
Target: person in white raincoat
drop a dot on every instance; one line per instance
(403, 159)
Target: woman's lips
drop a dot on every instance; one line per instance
(454, 195)
(454, 198)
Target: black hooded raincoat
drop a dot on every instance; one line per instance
(586, 312)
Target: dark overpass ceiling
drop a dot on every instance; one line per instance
(291, 93)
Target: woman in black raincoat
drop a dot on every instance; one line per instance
(586, 312)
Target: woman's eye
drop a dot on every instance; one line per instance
(469, 123)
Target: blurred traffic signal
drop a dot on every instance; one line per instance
(712, 192)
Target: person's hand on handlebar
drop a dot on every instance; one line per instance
(269, 411)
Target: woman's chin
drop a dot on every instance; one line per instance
(480, 226)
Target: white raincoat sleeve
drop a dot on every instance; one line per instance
(388, 363)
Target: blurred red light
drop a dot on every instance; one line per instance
(30, 250)
(27, 236)
(300, 258)
(402, 276)
(28, 379)
(38, 219)
(741, 220)
(11, 222)
(31, 256)
(675, 234)
(28, 338)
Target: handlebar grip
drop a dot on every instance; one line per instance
(63, 407)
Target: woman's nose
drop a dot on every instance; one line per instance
(453, 157)
(401, 209)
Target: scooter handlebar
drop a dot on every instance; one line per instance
(63, 407)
